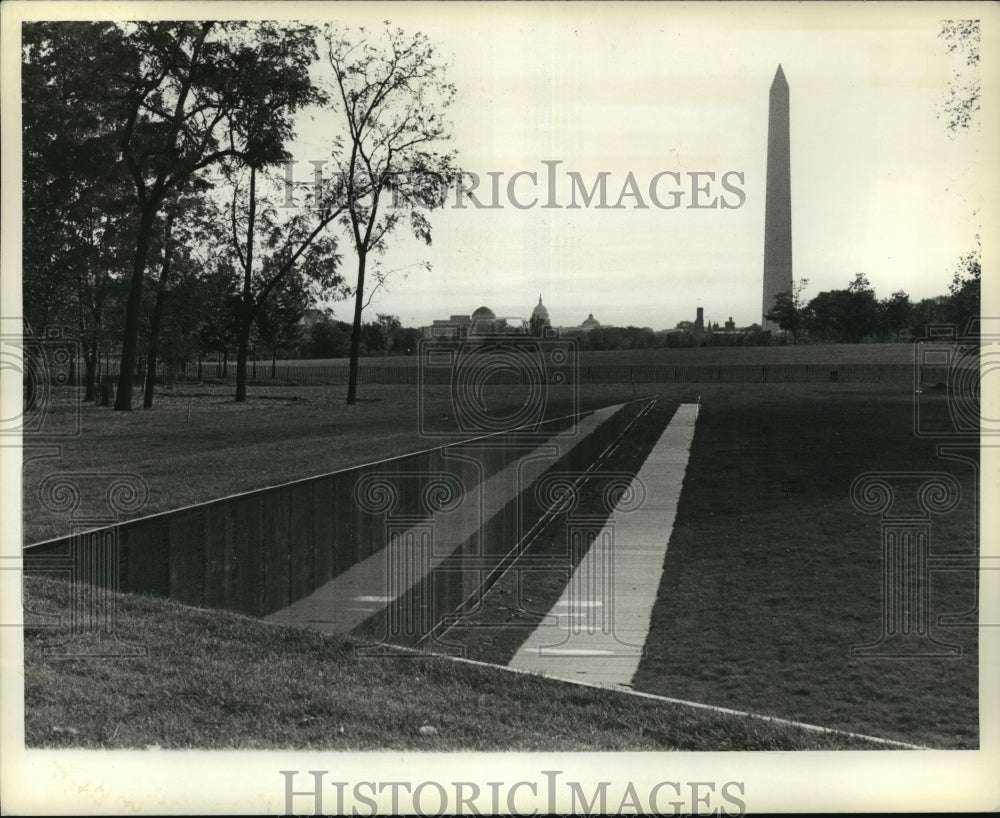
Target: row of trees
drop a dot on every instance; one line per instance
(856, 314)
(154, 203)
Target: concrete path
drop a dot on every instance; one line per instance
(602, 618)
(365, 588)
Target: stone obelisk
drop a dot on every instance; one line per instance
(778, 205)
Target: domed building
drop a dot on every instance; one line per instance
(539, 320)
(483, 322)
(590, 323)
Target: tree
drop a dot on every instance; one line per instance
(197, 306)
(928, 311)
(380, 335)
(279, 318)
(393, 93)
(787, 311)
(962, 38)
(894, 314)
(858, 314)
(270, 76)
(406, 341)
(188, 238)
(329, 339)
(75, 193)
(965, 287)
(961, 105)
(176, 95)
(845, 316)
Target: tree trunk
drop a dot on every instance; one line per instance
(93, 372)
(90, 376)
(241, 362)
(92, 363)
(130, 339)
(246, 317)
(151, 350)
(352, 370)
(154, 324)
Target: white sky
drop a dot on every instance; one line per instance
(877, 184)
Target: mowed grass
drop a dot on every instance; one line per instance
(197, 444)
(216, 680)
(784, 354)
(772, 575)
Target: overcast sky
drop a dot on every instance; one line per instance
(878, 186)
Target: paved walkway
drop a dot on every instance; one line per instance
(602, 618)
(365, 588)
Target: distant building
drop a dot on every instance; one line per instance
(539, 321)
(483, 321)
(700, 328)
(457, 326)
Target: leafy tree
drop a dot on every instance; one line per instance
(846, 316)
(960, 110)
(818, 316)
(928, 311)
(279, 318)
(75, 194)
(894, 314)
(787, 311)
(271, 81)
(964, 304)
(392, 93)
(186, 239)
(218, 316)
(175, 92)
(379, 335)
(329, 339)
(962, 38)
(406, 341)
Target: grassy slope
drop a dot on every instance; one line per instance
(772, 575)
(215, 680)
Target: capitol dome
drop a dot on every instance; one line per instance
(590, 322)
(483, 312)
(539, 311)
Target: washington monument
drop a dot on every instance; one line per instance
(778, 206)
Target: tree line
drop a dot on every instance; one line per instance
(157, 218)
(856, 314)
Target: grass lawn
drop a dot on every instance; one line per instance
(216, 680)
(788, 354)
(772, 575)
